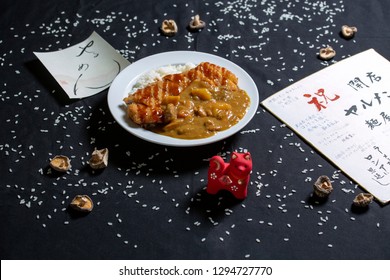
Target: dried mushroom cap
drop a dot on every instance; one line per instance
(363, 199)
(327, 53)
(196, 23)
(348, 31)
(169, 27)
(99, 159)
(322, 186)
(60, 163)
(82, 203)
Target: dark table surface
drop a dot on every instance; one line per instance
(150, 202)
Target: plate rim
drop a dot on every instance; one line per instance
(131, 73)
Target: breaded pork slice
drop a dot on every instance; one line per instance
(144, 107)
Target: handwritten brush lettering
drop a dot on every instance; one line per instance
(373, 123)
(379, 165)
(364, 103)
(357, 83)
(76, 85)
(320, 99)
(84, 50)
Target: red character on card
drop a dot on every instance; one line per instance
(233, 177)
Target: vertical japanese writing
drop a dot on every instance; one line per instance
(379, 165)
(83, 67)
(373, 100)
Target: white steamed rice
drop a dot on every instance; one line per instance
(157, 74)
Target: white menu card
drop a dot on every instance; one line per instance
(344, 112)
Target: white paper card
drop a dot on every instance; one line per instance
(344, 112)
(84, 69)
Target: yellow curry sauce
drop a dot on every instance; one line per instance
(202, 110)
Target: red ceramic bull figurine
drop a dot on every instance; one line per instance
(233, 176)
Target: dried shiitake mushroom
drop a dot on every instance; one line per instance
(82, 203)
(363, 199)
(348, 31)
(196, 23)
(60, 163)
(99, 159)
(169, 27)
(327, 53)
(322, 186)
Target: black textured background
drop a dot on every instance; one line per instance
(150, 202)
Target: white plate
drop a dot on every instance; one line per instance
(123, 83)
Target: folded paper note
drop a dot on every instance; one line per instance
(84, 69)
(344, 112)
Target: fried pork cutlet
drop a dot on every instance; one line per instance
(145, 106)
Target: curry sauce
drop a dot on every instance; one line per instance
(201, 110)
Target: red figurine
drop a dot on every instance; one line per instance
(233, 177)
